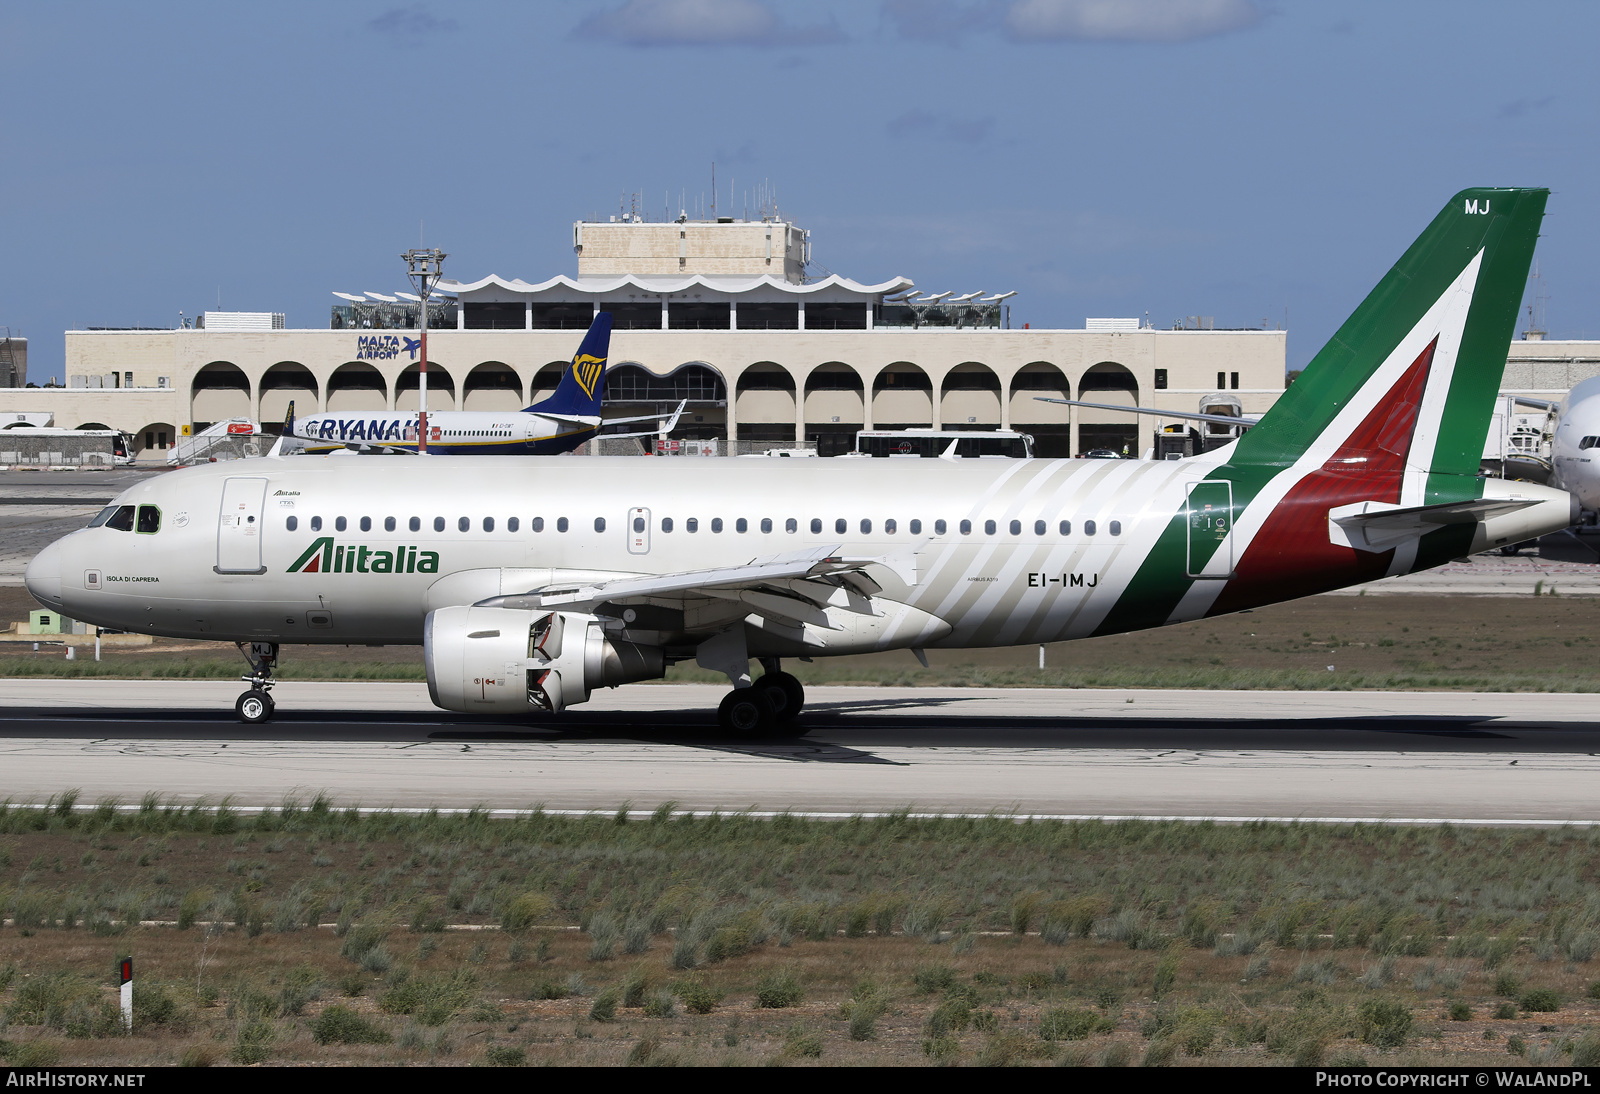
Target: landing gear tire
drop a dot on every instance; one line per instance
(786, 694)
(747, 712)
(254, 706)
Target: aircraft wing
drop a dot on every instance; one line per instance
(672, 423)
(1378, 526)
(788, 589)
(1220, 419)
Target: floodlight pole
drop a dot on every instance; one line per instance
(424, 266)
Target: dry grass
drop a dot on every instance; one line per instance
(908, 941)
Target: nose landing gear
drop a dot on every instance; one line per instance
(256, 705)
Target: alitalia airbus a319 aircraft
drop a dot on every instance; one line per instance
(531, 581)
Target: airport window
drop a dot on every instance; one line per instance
(1233, 380)
(1115, 527)
(488, 524)
(691, 524)
(340, 524)
(890, 527)
(741, 525)
(1088, 527)
(766, 524)
(415, 524)
(1222, 380)
(1016, 527)
(716, 524)
(816, 526)
(438, 524)
(1066, 527)
(1161, 379)
(791, 525)
(939, 527)
(966, 527)
(866, 526)
(388, 524)
(122, 519)
(1039, 527)
(366, 524)
(537, 524)
(463, 523)
(316, 524)
(841, 526)
(666, 524)
(915, 527)
(150, 519)
(512, 524)
(561, 524)
(638, 524)
(292, 523)
(105, 514)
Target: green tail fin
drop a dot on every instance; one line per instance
(1432, 293)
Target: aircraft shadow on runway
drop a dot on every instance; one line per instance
(835, 733)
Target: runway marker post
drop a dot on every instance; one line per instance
(125, 972)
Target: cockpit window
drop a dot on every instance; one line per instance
(149, 519)
(1589, 442)
(102, 516)
(122, 519)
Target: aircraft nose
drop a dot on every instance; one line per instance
(43, 576)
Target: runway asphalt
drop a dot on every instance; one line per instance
(1400, 756)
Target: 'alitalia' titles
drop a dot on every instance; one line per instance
(324, 556)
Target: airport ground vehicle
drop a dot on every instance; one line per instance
(531, 581)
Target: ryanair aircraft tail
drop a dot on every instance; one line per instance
(584, 383)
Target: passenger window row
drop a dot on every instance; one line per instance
(841, 526)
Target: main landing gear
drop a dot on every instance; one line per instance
(768, 707)
(256, 705)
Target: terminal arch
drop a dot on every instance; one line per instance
(357, 385)
(969, 397)
(1113, 383)
(220, 390)
(1049, 423)
(283, 383)
(765, 403)
(493, 385)
(632, 386)
(152, 441)
(94, 425)
(441, 388)
(902, 397)
(545, 381)
(835, 407)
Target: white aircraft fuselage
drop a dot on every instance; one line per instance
(1029, 551)
(1575, 448)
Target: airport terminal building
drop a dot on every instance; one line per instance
(720, 313)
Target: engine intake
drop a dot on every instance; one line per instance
(509, 661)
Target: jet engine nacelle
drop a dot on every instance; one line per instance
(510, 661)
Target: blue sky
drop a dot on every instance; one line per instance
(1236, 158)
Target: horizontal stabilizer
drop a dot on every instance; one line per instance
(1378, 526)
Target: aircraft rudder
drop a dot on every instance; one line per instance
(1463, 280)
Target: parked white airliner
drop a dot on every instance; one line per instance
(530, 581)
